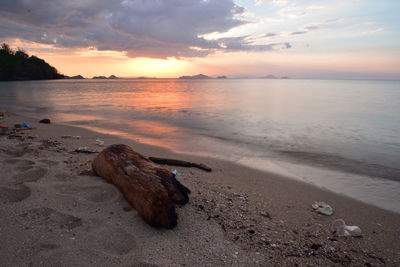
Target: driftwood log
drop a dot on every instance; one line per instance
(153, 191)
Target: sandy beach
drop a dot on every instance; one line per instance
(55, 212)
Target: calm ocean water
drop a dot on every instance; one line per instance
(340, 134)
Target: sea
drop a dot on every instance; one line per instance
(341, 135)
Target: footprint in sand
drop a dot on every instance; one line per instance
(113, 241)
(48, 162)
(20, 164)
(47, 247)
(64, 177)
(14, 193)
(19, 151)
(143, 264)
(49, 218)
(32, 175)
(75, 257)
(97, 193)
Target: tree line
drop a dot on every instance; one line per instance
(18, 66)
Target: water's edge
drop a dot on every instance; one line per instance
(382, 193)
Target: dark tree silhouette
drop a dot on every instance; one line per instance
(18, 65)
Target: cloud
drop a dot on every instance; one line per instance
(279, 2)
(273, 2)
(311, 28)
(374, 31)
(293, 10)
(247, 43)
(315, 26)
(141, 28)
(270, 34)
(298, 32)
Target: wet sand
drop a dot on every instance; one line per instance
(56, 213)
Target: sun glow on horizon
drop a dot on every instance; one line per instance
(241, 38)
(151, 67)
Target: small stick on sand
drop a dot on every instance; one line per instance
(182, 163)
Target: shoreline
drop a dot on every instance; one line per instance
(375, 190)
(339, 157)
(224, 208)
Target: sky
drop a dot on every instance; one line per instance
(327, 39)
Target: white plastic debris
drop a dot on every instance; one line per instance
(177, 174)
(322, 208)
(71, 136)
(340, 228)
(99, 142)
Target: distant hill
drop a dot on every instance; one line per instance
(274, 77)
(270, 77)
(144, 77)
(198, 76)
(76, 77)
(104, 77)
(19, 66)
(222, 77)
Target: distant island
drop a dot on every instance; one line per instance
(19, 66)
(144, 77)
(104, 77)
(76, 77)
(198, 76)
(270, 76)
(222, 77)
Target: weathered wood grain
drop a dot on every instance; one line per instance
(153, 191)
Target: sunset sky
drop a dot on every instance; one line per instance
(169, 38)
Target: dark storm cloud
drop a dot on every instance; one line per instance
(148, 28)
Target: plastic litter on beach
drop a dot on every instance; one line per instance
(322, 208)
(70, 136)
(99, 142)
(340, 228)
(22, 127)
(84, 149)
(176, 173)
